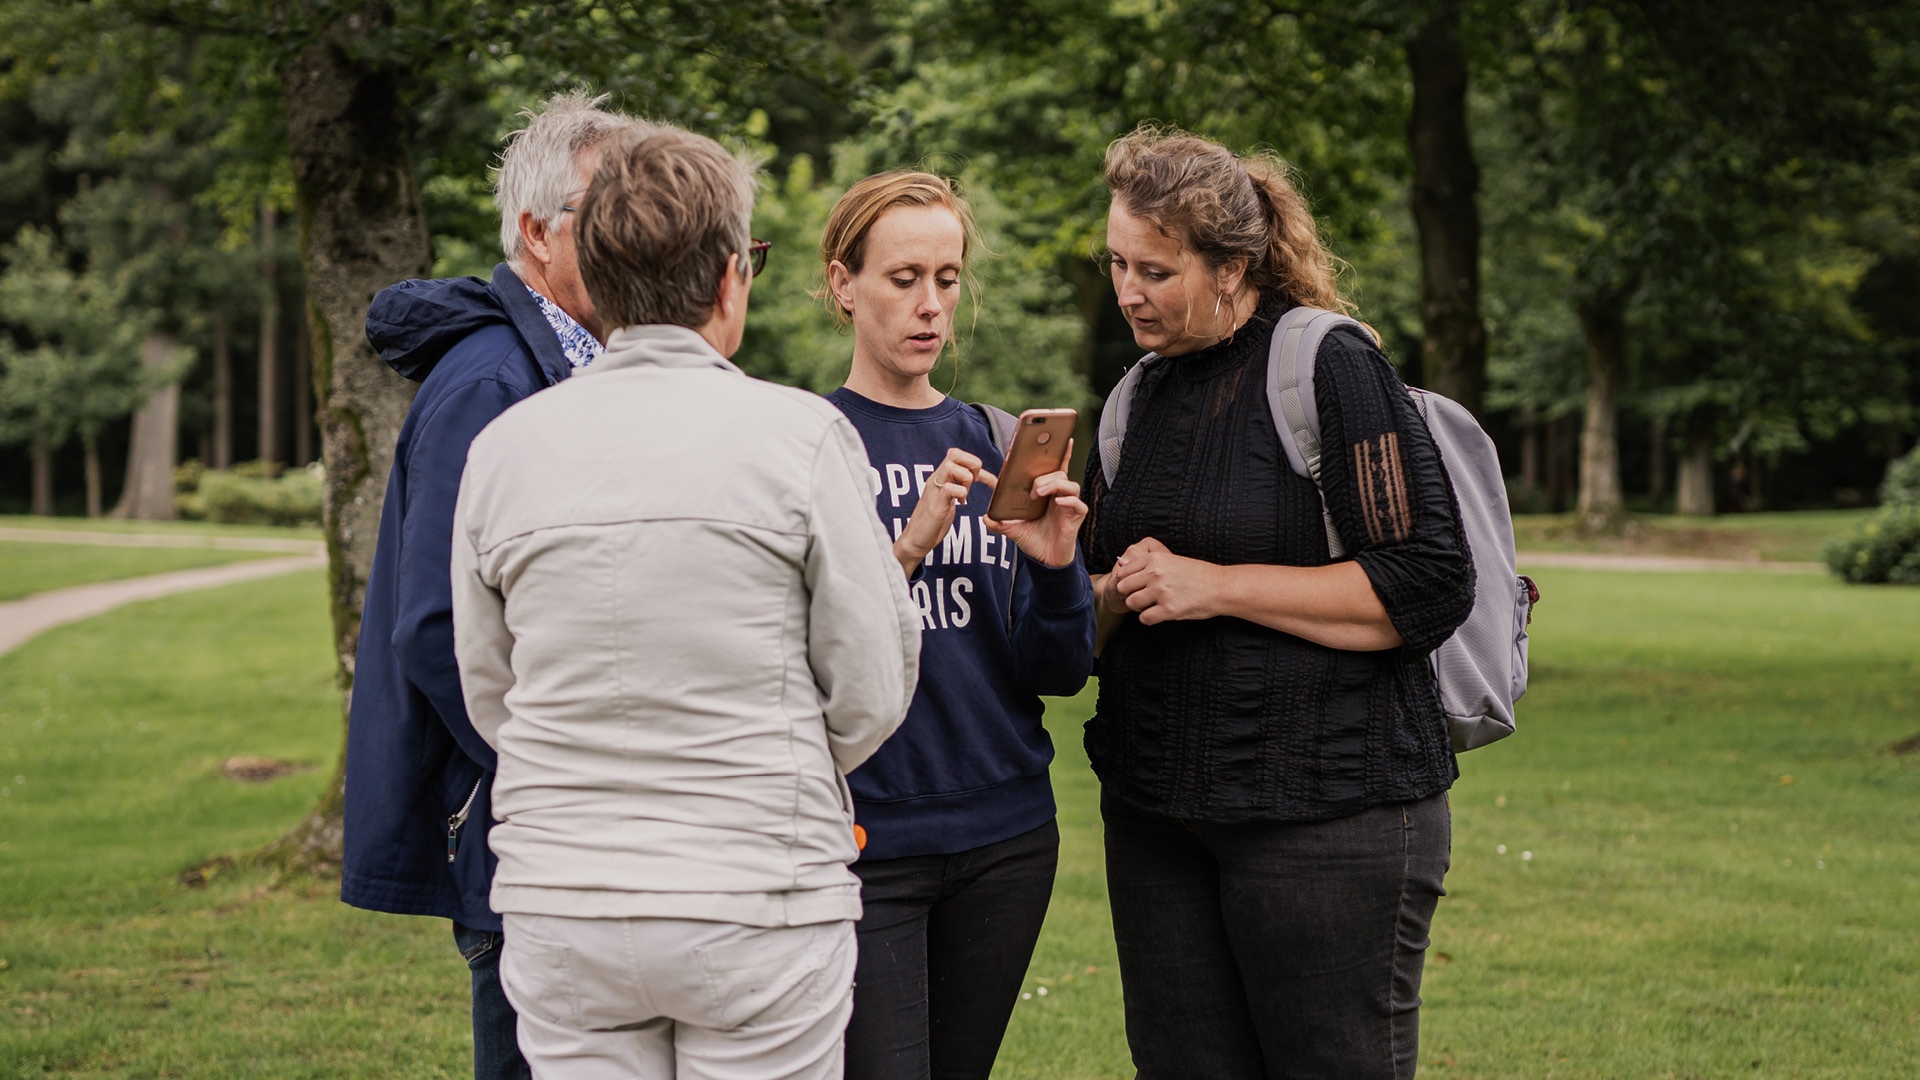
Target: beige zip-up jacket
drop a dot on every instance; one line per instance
(680, 624)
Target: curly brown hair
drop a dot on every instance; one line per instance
(1223, 207)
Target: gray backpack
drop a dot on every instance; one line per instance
(1482, 668)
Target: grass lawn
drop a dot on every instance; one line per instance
(27, 568)
(1723, 879)
(164, 528)
(1785, 537)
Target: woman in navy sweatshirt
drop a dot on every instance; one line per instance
(956, 807)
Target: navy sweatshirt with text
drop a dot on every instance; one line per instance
(968, 767)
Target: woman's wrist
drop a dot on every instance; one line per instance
(904, 552)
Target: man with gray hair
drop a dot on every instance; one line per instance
(419, 779)
(680, 624)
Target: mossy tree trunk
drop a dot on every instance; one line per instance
(361, 230)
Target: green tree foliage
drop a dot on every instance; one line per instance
(85, 372)
(1697, 166)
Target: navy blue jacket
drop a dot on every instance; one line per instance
(968, 766)
(413, 758)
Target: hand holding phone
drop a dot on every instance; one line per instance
(1041, 441)
(1035, 504)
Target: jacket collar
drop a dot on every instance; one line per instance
(512, 296)
(659, 345)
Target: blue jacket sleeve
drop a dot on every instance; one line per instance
(423, 622)
(1053, 627)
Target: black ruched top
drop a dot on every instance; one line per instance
(1222, 719)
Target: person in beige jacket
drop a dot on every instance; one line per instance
(679, 624)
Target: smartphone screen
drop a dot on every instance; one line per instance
(1040, 443)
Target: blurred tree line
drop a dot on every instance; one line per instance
(1667, 250)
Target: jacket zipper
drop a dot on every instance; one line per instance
(458, 819)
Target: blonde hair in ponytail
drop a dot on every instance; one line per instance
(1225, 207)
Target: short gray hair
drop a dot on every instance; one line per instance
(540, 165)
(666, 210)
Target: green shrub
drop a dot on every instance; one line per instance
(250, 493)
(1887, 546)
(1902, 484)
(1886, 549)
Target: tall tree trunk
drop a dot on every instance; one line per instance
(362, 230)
(90, 445)
(222, 391)
(1657, 461)
(1559, 480)
(1530, 448)
(42, 503)
(1601, 506)
(302, 386)
(1693, 491)
(1453, 353)
(155, 442)
(269, 339)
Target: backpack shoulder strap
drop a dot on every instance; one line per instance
(1113, 416)
(1002, 423)
(1290, 397)
(1004, 426)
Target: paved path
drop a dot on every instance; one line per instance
(1669, 563)
(173, 540)
(23, 619)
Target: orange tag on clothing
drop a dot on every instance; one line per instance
(860, 838)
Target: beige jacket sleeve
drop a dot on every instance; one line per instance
(863, 633)
(482, 644)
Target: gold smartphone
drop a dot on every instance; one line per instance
(1040, 443)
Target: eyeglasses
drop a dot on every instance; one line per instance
(757, 255)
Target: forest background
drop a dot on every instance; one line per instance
(1669, 252)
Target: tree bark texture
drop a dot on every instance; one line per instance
(42, 503)
(361, 230)
(1693, 490)
(1601, 507)
(269, 442)
(1453, 351)
(222, 391)
(302, 390)
(155, 441)
(1657, 461)
(90, 447)
(1530, 448)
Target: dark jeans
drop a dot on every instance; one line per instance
(1275, 949)
(944, 945)
(496, 1050)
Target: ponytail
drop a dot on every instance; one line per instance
(1228, 208)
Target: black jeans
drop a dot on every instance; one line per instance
(944, 945)
(1275, 949)
(496, 1047)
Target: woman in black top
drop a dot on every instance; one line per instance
(1269, 738)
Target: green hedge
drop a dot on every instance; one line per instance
(250, 493)
(1886, 549)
